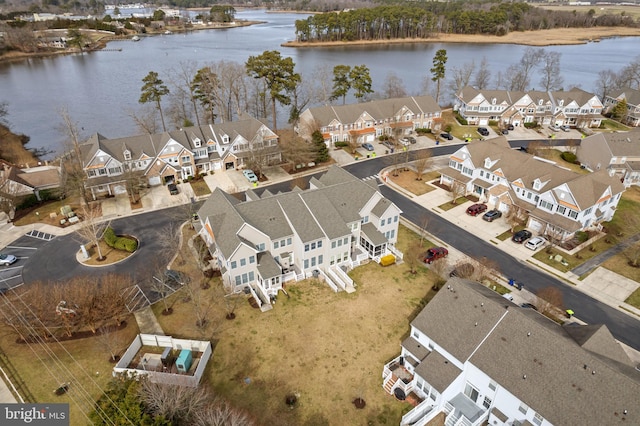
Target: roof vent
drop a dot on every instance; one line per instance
(528, 334)
(482, 304)
(624, 412)
(476, 324)
(593, 372)
(524, 376)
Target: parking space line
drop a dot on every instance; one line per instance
(22, 248)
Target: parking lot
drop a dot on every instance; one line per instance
(24, 248)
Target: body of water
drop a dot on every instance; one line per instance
(100, 89)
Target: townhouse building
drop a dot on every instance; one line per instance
(632, 98)
(475, 358)
(265, 240)
(364, 122)
(177, 155)
(574, 108)
(617, 152)
(555, 201)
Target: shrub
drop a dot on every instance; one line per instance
(460, 119)
(530, 125)
(28, 202)
(387, 260)
(493, 122)
(422, 130)
(569, 157)
(341, 144)
(582, 236)
(110, 237)
(383, 138)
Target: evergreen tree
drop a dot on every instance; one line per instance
(620, 110)
(152, 91)
(438, 70)
(322, 153)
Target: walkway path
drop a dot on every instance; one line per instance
(597, 260)
(147, 322)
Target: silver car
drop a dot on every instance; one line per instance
(7, 259)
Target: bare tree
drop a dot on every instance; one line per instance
(92, 228)
(440, 267)
(422, 162)
(461, 76)
(145, 119)
(483, 75)
(74, 176)
(629, 76)
(412, 257)
(178, 404)
(486, 269)
(222, 414)
(297, 151)
(555, 236)
(607, 82)
(457, 189)
(549, 298)
(181, 79)
(551, 78)
(201, 303)
(393, 87)
(111, 341)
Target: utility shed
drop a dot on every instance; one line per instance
(184, 361)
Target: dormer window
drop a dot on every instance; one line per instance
(127, 155)
(540, 102)
(197, 142)
(487, 163)
(493, 101)
(537, 184)
(225, 139)
(561, 102)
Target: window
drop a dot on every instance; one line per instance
(234, 265)
(573, 214)
(306, 263)
(306, 247)
(333, 244)
(493, 385)
(320, 260)
(127, 155)
(382, 222)
(416, 334)
(313, 246)
(282, 243)
(320, 244)
(346, 240)
(339, 243)
(313, 261)
(395, 218)
(186, 159)
(238, 280)
(471, 392)
(561, 209)
(389, 221)
(392, 234)
(487, 402)
(252, 259)
(289, 241)
(251, 276)
(276, 244)
(538, 419)
(523, 408)
(243, 262)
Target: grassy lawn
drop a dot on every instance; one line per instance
(580, 257)
(450, 204)
(614, 125)
(328, 348)
(508, 234)
(407, 180)
(90, 366)
(555, 155)
(44, 211)
(200, 187)
(634, 299)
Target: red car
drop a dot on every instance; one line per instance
(476, 209)
(435, 253)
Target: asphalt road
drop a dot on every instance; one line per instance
(52, 260)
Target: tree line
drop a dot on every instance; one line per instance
(423, 20)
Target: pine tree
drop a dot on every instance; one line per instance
(322, 153)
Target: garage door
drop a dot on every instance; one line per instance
(155, 181)
(484, 121)
(370, 138)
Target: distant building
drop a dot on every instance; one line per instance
(617, 152)
(632, 98)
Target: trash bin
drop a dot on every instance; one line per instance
(511, 281)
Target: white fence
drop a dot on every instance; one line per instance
(204, 347)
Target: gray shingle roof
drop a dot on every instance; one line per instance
(631, 95)
(267, 266)
(532, 357)
(437, 371)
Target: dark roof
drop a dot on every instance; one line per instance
(539, 362)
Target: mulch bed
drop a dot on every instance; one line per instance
(76, 335)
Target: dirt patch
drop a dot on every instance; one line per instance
(110, 255)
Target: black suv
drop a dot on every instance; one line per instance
(521, 236)
(446, 136)
(483, 131)
(173, 189)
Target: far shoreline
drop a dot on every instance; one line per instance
(541, 38)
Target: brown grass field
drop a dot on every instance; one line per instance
(327, 348)
(407, 180)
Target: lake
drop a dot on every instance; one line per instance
(101, 88)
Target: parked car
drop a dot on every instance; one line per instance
(405, 141)
(173, 189)
(7, 259)
(446, 136)
(492, 215)
(521, 236)
(535, 243)
(251, 177)
(565, 128)
(508, 296)
(367, 146)
(388, 144)
(483, 131)
(554, 128)
(435, 253)
(463, 270)
(510, 127)
(411, 139)
(504, 131)
(476, 209)
(529, 306)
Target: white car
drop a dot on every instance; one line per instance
(7, 259)
(554, 128)
(535, 243)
